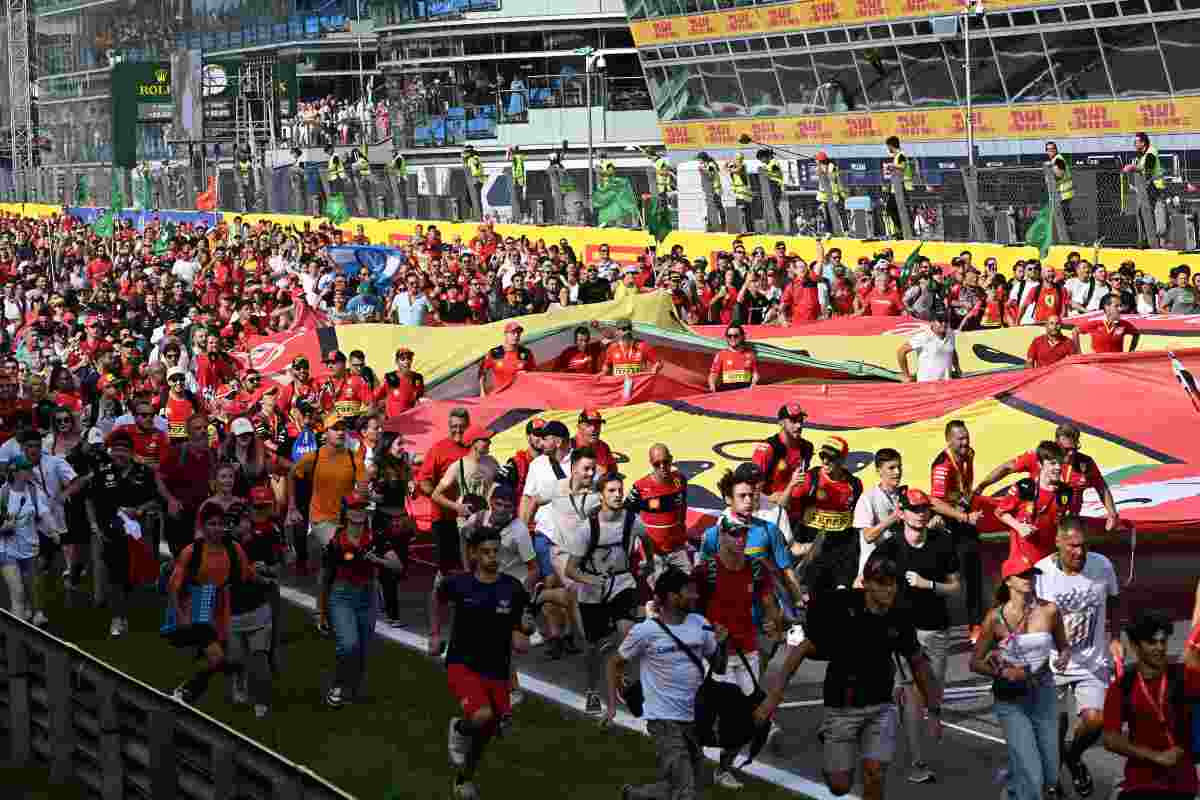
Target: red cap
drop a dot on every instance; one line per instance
(261, 495)
(836, 444)
(404, 351)
(591, 415)
(792, 411)
(1017, 565)
(915, 497)
(822, 156)
(475, 433)
(513, 326)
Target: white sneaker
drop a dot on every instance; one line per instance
(40, 619)
(115, 629)
(261, 711)
(124, 625)
(726, 780)
(466, 791)
(537, 640)
(457, 745)
(516, 696)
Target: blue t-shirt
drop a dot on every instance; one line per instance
(764, 539)
(669, 676)
(485, 615)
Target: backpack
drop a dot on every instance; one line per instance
(779, 453)
(1185, 733)
(594, 538)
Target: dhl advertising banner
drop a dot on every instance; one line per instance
(1032, 121)
(789, 17)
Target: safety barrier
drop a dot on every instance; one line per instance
(90, 723)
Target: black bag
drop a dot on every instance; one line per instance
(712, 698)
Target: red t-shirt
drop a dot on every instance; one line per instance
(1147, 704)
(629, 360)
(1042, 354)
(663, 507)
(505, 364)
(1106, 338)
(728, 598)
(439, 458)
(829, 505)
(347, 396)
(949, 480)
(1080, 473)
(734, 368)
(579, 362)
(400, 398)
(148, 448)
(1042, 514)
(780, 473)
(803, 298)
(884, 304)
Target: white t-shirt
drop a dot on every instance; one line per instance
(935, 354)
(1079, 294)
(540, 482)
(609, 559)
(185, 270)
(51, 476)
(872, 508)
(562, 512)
(516, 546)
(1081, 600)
(669, 677)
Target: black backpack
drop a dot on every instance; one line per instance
(594, 538)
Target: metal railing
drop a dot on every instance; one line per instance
(92, 724)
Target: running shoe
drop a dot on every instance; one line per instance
(336, 698)
(536, 639)
(466, 791)
(116, 629)
(726, 780)
(594, 707)
(261, 711)
(457, 745)
(1081, 778)
(516, 696)
(921, 773)
(323, 627)
(40, 619)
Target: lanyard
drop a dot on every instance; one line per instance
(965, 477)
(579, 509)
(1159, 707)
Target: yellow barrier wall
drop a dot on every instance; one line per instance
(626, 245)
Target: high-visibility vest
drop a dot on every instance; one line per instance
(1156, 174)
(1065, 184)
(775, 172)
(739, 181)
(361, 164)
(474, 165)
(905, 169)
(244, 167)
(336, 173)
(399, 166)
(662, 175)
(518, 169)
(714, 174)
(835, 183)
(608, 170)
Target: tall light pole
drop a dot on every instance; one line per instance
(970, 8)
(593, 63)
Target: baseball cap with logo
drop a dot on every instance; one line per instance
(914, 499)
(792, 411)
(836, 445)
(1019, 565)
(591, 415)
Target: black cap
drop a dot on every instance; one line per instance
(747, 472)
(556, 428)
(671, 581)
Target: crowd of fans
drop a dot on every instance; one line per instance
(128, 427)
(340, 121)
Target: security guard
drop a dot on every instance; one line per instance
(245, 167)
(664, 175)
(774, 172)
(608, 169)
(516, 160)
(837, 193)
(710, 170)
(397, 170)
(1150, 165)
(335, 173)
(473, 166)
(362, 165)
(900, 165)
(1063, 181)
(739, 181)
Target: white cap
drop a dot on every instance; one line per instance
(173, 371)
(241, 425)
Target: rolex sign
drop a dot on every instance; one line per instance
(161, 87)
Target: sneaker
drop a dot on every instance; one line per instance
(323, 627)
(537, 640)
(466, 791)
(116, 629)
(920, 773)
(594, 707)
(40, 619)
(181, 693)
(336, 698)
(516, 696)
(261, 711)
(457, 745)
(1081, 777)
(726, 780)
(241, 694)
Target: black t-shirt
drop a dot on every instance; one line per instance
(485, 616)
(862, 648)
(597, 291)
(456, 313)
(935, 560)
(112, 489)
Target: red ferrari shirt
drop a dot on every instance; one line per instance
(1042, 514)
(1042, 354)
(778, 461)
(1107, 338)
(1051, 301)
(728, 597)
(630, 360)
(828, 505)
(949, 479)
(884, 304)
(1080, 473)
(148, 448)
(734, 368)
(505, 364)
(397, 399)
(580, 362)
(663, 507)
(804, 299)
(177, 411)
(1154, 718)
(439, 458)
(347, 396)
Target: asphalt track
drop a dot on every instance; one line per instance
(968, 760)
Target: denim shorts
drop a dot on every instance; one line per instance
(24, 565)
(542, 546)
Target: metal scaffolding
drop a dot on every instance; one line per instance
(20, 95)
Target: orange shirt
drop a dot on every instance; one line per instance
(336, 473)
(734, 368)
(630, 360)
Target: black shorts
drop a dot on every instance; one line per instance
(600, 619)
(447, 546)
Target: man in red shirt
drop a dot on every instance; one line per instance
(1032, 509)
(1079, 473)
(581, 358)
(735, 367)
(588, 435)
(1154, 699)
(516, 469)
(301, 390)
(505, 361)
(953, 496)
(1051, 346)
(801, 300)
(784, 459)
(884, 299)
(440, 458)
(629, 356)
(149, 443)
(344, 393)
(402, 388)
(1108, 334)
(661, 499)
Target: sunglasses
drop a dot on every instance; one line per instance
(666, 462)
(919, 509)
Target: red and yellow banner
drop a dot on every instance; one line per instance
(788, 17)
(1050, 120)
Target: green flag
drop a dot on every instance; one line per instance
(910, 263)
(81, 190)
(116, 196)
(614, 202)
(335, 209)
(658, 218)
(163, 243)
(103, 226)
(1041, 232)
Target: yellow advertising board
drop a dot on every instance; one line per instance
(791, 17)
(1026, 121)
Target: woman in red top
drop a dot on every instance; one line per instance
(352, 560)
